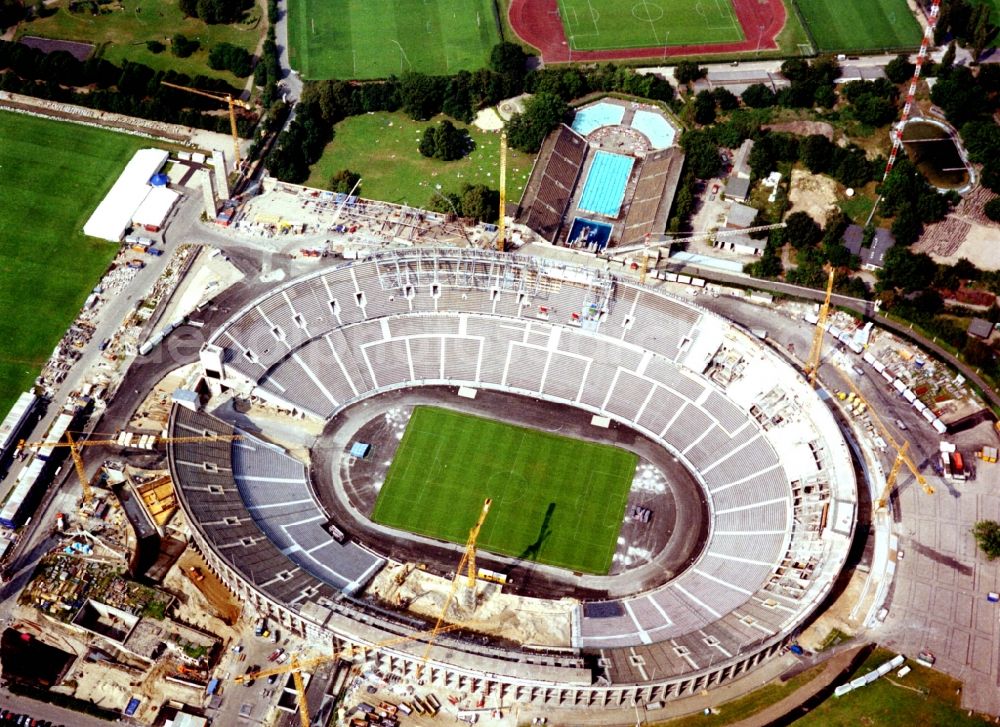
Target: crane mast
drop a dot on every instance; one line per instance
(812, 364)
(468, 562)
(503, 190)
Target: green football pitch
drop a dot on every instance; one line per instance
(53, 175)
(556, 500)
(609, 24)
(860, 25)
(381, 38)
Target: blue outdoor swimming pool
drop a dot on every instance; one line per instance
(605, 186)
(600, 114)
(655, 127)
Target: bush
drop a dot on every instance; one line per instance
(344, 181)
(181, 47)
(987, 534)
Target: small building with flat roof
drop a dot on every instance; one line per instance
(741, 163)
(737, 189)
(980, 328)
(741, 216)
(873, 256)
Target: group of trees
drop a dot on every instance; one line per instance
(131, 88)
(474, 201)
(849, 164)
(459, 96)
(233, 58)
(182, 46)
(267, 72)
(968, 22)
(912, 202)
(445, 142)
(215, 12)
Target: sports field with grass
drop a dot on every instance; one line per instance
(384, 149)
(556, 500)
(381, 38)
(607, 24)
(859, 25)
(53, 175)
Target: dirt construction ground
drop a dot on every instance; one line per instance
(211, 588)
(813, 194)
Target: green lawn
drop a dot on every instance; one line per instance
(382, 148)
(922, 697)
(860, 25)
(52, 175)
(122, 34)
(556, 500)
(381, 38)
(604, 24)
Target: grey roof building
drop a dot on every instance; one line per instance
(980, 328)
(871, 257)
(741, 215)
(737, 188)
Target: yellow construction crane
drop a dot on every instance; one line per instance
(503, 189)
(902, 450)
(468, 561)
(226, 98)
(74, 452)
(812, 363)
(295, 666)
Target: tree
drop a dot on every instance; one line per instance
(480, 203)
(906, 270)
(947, 60)
(981, 30)
(688, 72)
(874, 110)
(992, 209)
(421, 95)
(542, 113)
(445, 142)
(802, 230)
(759, 96)
(987, 534)
(155, 46)
(702, 155)
(704, 108)
(899, 69)
(726, 99)
(344, 181)
(11, 12)
(817, 153)
(978, 353)
(181, 47)
(510, 61)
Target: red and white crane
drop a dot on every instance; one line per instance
(897, 132)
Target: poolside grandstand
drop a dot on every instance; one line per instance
(774, 469)
(616, 165)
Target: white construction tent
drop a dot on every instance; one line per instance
(115, 212)
(155, 208)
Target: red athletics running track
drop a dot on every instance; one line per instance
(537, 23)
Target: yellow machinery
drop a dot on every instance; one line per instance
(812, 363)
(468, 562)
(295, 666)
(74, 451)
(501, 243)
(226, 98)
(902, 451)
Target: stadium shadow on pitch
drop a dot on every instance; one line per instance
(531, 552)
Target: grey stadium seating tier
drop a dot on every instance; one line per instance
(579, 337)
